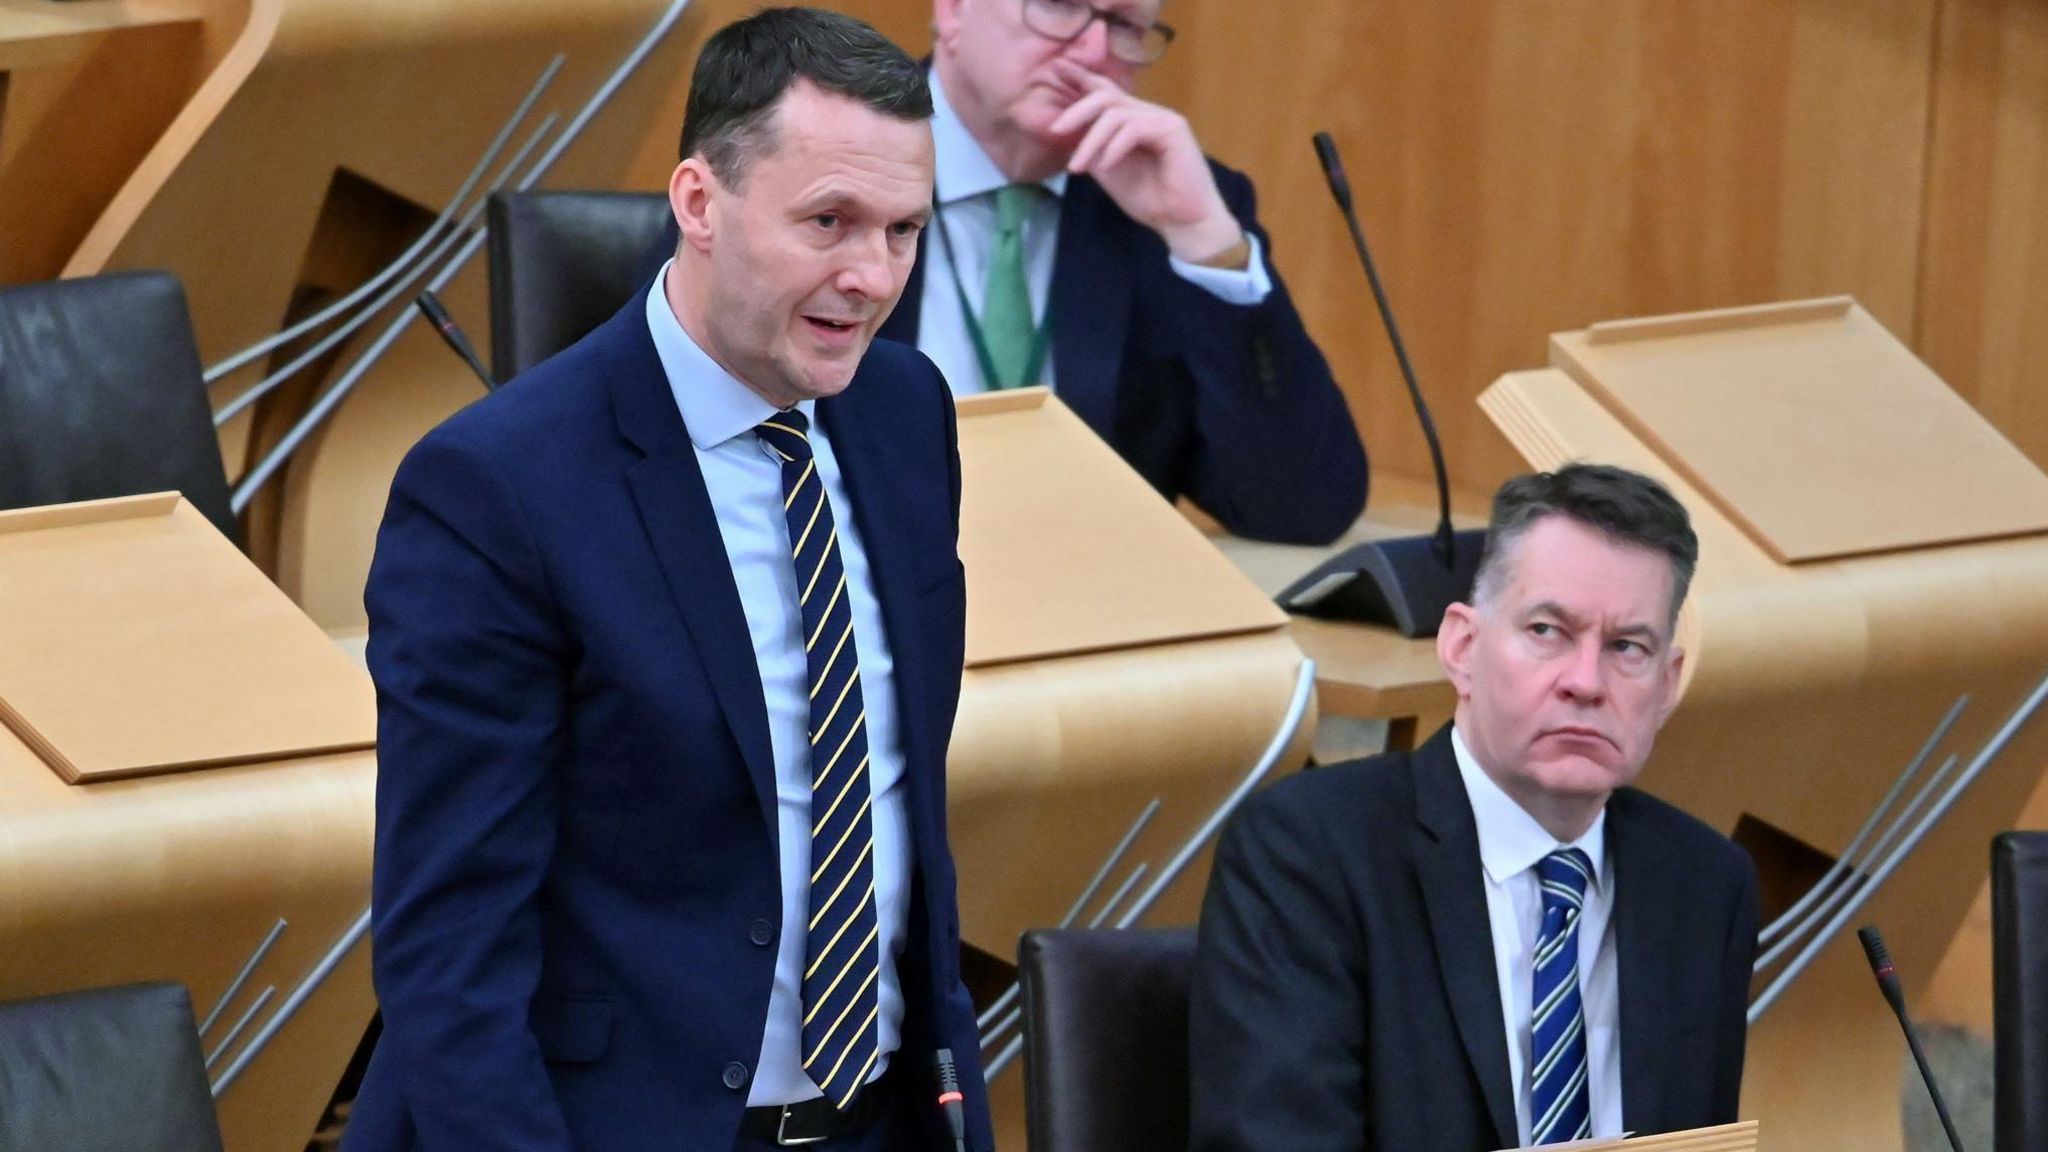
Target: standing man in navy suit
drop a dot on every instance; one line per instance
(667, 637)
(1085, 242)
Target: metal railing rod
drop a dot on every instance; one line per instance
(465, 228)
(1992, 748)
(246, 490)
(350, 937)
(1926, 796)
(1297, 710)
(242, 977)
(412, 252)
(1842, 863)
(235, 1033)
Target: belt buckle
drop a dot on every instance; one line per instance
(787, 1141)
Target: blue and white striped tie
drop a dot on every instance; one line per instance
(1559, 1104)
(841, 956)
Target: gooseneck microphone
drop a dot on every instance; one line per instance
(951, 1102)
(1340, 190)
(1409, 581)
(437, 315)
(1888, 983)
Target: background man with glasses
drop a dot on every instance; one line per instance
(1085, 242)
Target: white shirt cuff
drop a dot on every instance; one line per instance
(1246, 286)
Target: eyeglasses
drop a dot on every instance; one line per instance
(1067, 20)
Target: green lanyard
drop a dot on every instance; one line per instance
(1034, 364)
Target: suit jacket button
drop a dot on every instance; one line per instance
(762, 933)
(735, 1075)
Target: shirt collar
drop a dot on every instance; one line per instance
(1510, 840)
(964, 168)
(715, 405)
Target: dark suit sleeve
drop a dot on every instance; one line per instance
(1738, 962)
(1277, 1017)
(1280, 458)
(471, 697)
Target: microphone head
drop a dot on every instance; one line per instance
(1874, 950)
(1333, 169)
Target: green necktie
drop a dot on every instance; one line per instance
(1006, 322)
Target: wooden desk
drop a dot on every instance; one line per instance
(1362, 670)
(1375, 673)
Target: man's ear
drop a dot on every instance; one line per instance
(689, 196)
(1454, 639)
(945, 20)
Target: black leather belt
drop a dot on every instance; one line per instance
(813, 1121)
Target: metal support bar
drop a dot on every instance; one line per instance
(242, 977)
(1841, 865)
(246, 491)
(397, 291)
(235, 1033)
(1116, 856)
(406, 258)
(1983, 759)
(1297, 710)
(1921, 802)
(292, 1003)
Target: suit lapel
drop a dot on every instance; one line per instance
(1090, 309)
(1645, 930)
(858, 424)
(857, 421)
(675, 509)
(1446, 850)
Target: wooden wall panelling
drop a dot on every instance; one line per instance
(1983, 288)
(1530, 168)
(91, 88)
(1985, 285)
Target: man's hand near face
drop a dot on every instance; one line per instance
(1146, 157)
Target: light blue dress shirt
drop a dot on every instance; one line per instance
(744, 479)
(967, 183)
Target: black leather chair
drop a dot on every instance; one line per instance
(1106, 1039)
(110, 1070)
(101, 395)
(2019, 981)
(561, 264)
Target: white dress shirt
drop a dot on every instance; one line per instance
(967, 183)
(744, 478)
(1511, 842)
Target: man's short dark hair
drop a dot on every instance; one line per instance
(1626, 507)
(746, 67)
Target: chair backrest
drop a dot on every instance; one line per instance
(101, 395)
(561, 264)
(1106, 1038)
(2019, 982)
(112, 1069)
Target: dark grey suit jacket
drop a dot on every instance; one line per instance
(1345, 996)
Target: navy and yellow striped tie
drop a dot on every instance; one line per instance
(841, 955)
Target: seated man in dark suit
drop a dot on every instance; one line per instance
(1494, 941)
(1084, 242)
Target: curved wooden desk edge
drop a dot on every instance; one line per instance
(226, 78)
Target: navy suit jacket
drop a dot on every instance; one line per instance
(576, 878)
(1231, 406)
(1345, 997)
